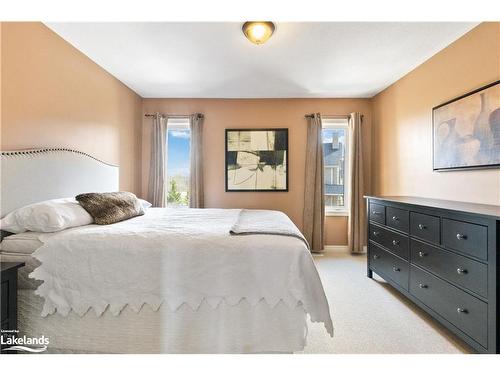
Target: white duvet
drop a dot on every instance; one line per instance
(175, 257)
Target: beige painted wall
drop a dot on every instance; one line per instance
(54, 96)
(402, 122)
(257, 113)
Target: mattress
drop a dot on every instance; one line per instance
(18, 248)
(232, 329)
(22, 243)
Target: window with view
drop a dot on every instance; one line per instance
(335, 150)
(178, 156)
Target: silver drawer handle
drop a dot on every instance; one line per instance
(376, 213)
(395, 242)
(421, 254)
(461, 236)
(461, 271)
(395, 218)
(375, 233)
(395, 269)
(422, 286)
(462, 311)
(421, 226)
(376, 256)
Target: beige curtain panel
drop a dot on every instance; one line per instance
(314, 197)
(357, 215)
(157, 170)
(196, 162)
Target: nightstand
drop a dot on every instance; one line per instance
(8, 296)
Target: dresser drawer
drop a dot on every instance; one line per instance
(6, 326)
(464, 311)
(460, 270)
(468, 238)
(397, 218)
(377, 213)
(4, 301)
(389, 265)
(394, 242)
(425, 227)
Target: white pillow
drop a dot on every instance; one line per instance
(145, 204)
(48, 216)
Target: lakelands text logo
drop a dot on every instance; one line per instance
(10, 342)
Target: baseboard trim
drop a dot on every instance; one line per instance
(336, 249)
(344, 249)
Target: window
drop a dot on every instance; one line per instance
(178, 157)
(332, 175)
(335, 152)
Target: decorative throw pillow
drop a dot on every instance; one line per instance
(109, 208)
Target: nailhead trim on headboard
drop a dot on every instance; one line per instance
(47, 150)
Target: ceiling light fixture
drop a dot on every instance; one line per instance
(258, 32)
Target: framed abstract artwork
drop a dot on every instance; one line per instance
(466, 131)
(256, 159)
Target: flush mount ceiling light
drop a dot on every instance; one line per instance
(258, 32)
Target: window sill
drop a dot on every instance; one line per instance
(337, 213)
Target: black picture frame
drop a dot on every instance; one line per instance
(227, 131)
(458, 168)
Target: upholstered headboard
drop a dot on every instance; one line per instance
(30, 176)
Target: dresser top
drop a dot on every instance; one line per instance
(6, 266)
(473, 208)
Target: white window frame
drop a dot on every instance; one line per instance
(340, 123)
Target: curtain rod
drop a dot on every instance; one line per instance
(170, 115)
(330, 116)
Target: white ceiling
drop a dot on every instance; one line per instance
(301, 60)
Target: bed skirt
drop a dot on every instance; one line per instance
(226, 329)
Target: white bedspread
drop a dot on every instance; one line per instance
(175, 257)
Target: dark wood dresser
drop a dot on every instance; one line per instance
(8, 297)
(444, 256)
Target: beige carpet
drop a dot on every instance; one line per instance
(370, 316)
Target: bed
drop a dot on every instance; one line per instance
(170, 281)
